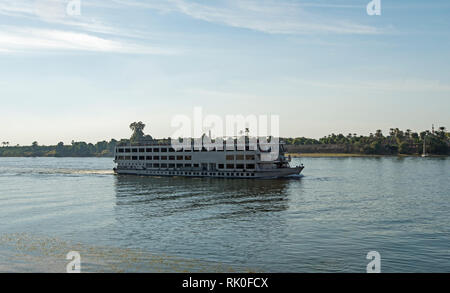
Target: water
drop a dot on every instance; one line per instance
(326, 221)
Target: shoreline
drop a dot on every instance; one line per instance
(293, 155)
(350, 155)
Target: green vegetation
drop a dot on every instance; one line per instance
(138, 131)
(76, 149)
(398, 142)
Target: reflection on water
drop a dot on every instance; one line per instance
(226, 220)
(163, 196)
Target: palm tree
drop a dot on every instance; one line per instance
(138, 132)
(392, 135)
(442, 132)
(379, 133)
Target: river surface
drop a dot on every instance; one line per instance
(326, 221)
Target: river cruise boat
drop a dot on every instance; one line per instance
(160, 158)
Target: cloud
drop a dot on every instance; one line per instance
(410, 85)
(23, 39)
(47, 27)
(54, 12)
(268, 16)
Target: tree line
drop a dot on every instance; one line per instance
(75, 149)
(396, 142)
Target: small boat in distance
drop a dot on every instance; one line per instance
(424, 152)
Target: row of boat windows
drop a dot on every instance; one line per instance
(149, 158)
(172, 150)
(183, 158)
(232, 174)
(212, 165)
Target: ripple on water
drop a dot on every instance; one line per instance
(326, 221)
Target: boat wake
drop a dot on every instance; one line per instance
(25, 172)
(295, 176)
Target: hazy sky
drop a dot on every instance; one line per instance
(322, 66)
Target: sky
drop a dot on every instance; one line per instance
(322, 66)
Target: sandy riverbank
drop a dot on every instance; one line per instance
(346, 155)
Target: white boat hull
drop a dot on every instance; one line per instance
(260, 174)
